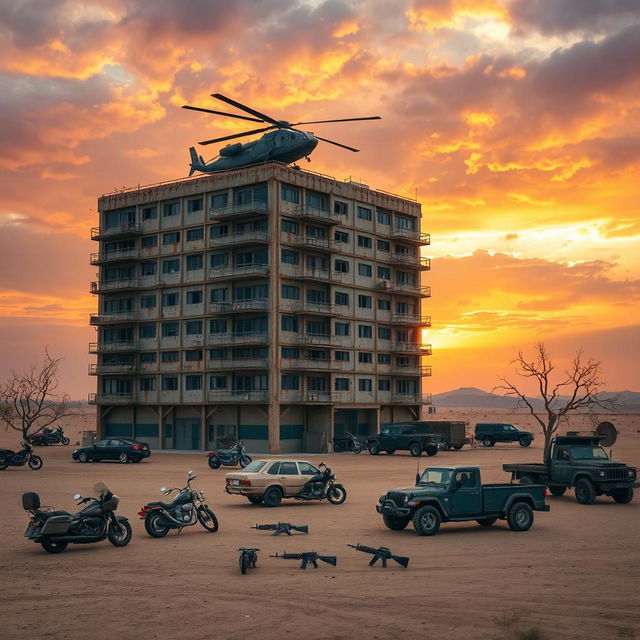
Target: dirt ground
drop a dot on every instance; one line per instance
(575, 574)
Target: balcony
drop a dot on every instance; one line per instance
(410, 398)
(408, 260)
(314, 364)
(253, 337)
(103, 286)
(313, 338)
(243, 270)
(411, 319)
(407, 347)
(111, 347)
(246, 237)
(111, 398)
(405, 288)
(302, 240)
(302, 306)
(239, 306)
(98, 369)
(237, 396)
(410, 235)
(238, 364)
(115, 231)
(111, 318)
(251, 206)
(411, 370)
(123, 255)
(313, 214)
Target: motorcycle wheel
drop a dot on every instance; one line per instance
(35, 462)
(3, 465)
(214, 462)
(244, 563)
(336, 495)
(208, 519)
(65, 441)
(357, 449)
(121, 536)
(245, 460)
(153, 527)
(53, 546)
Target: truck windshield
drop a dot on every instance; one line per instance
(589, 453)
(390, 431)
(436, 477)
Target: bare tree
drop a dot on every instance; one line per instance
(576, 389)
(28, 401)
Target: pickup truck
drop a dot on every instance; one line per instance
(405, 436)
(582, 463)
(455, 494)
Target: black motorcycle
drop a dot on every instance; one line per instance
(47, 437)
(25, 455)
(322, 486)
(229, 457)
(54, 530)
(347, 442)
(187, 508)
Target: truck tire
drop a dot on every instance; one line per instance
(557, 491)
(395, 523)
(374, 448)
(488, 441)
(426, 521)
(585, 491)
(431, 450)
(415, 449)
(458, 445)
(520, 517)
(525, 441)
(390, 452)
(486, 522)
(622, 496)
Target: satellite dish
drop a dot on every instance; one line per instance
(608, 431)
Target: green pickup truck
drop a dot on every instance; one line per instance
(455, 494)
(582, 463)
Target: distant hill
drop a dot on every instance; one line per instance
(473, 397)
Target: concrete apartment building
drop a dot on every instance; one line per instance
(268, 304)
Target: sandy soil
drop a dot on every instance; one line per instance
(575, 574)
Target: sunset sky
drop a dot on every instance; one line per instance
(515, 123)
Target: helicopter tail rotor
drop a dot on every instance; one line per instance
(197, 163)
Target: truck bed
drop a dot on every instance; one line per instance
(495, 496)
(533, 467)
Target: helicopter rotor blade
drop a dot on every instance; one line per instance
(340, 120)
(344, 146)
(220, 113)
(253, 112)
(237, 135)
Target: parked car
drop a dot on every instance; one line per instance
(491, 432)
(455, 494)
(404, 436)
(121, 449)
(453, 433)
(580, 462)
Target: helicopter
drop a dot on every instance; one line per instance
(283, 142)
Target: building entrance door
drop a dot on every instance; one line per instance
(186, 434)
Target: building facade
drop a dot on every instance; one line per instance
(267, 304)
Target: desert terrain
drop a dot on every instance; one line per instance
(575, 574)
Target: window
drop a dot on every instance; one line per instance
(290, 323)
(171, 238)
(383, 245)
(257, 324)
(290, 381)
(404, 222)
(289, 226)
(219, 231)
(365, 331)
(290, 194)
(171, 266)
(289, 292)
(194, 262)
(149, 213)
(384, 304)
(193, 327)
(316, 383)
(317, 328)
(384, 358)
(342, 384)
(316, 232)
(340, 208)
(364, 269)
(194, 297)
(193, 383)
(364, 302)
(365, 241)
(249, 352)
(148, 356)
(384, 333)
(170, 209)
(147, 384)
(218, 260)
(290, 257)
(342, 299)
(170, 329)
(148, 268)
(218, 354)
(342, 329)
(149, 241)
(218, 295)
(147, 302)
(384, 273)
(194, 204)
(364, 213)
(384, 384)
(169, 383)
(148, 330)
(384, 217)
(342, 266)
(364, 384)
(342, 356)
(290, 352)
(365, 357)
(288, 469)
(318, 200)
(195, 234)
(219, 200)
(170, 299)
(341, 236)
(170, 356)
(274, 469)
(317, 296)
(217, 325)
(251, 292)
(217, 382)
(402, 307)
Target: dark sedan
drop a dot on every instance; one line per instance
(121, 449)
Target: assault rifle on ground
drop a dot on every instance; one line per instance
(381, 553)
(309, 557)
(282, 527)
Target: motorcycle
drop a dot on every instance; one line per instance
(54, 530)
(9, 458)
(229, 457)
(322, 486)
(346, 443)
(187, 508)
(46, 437)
